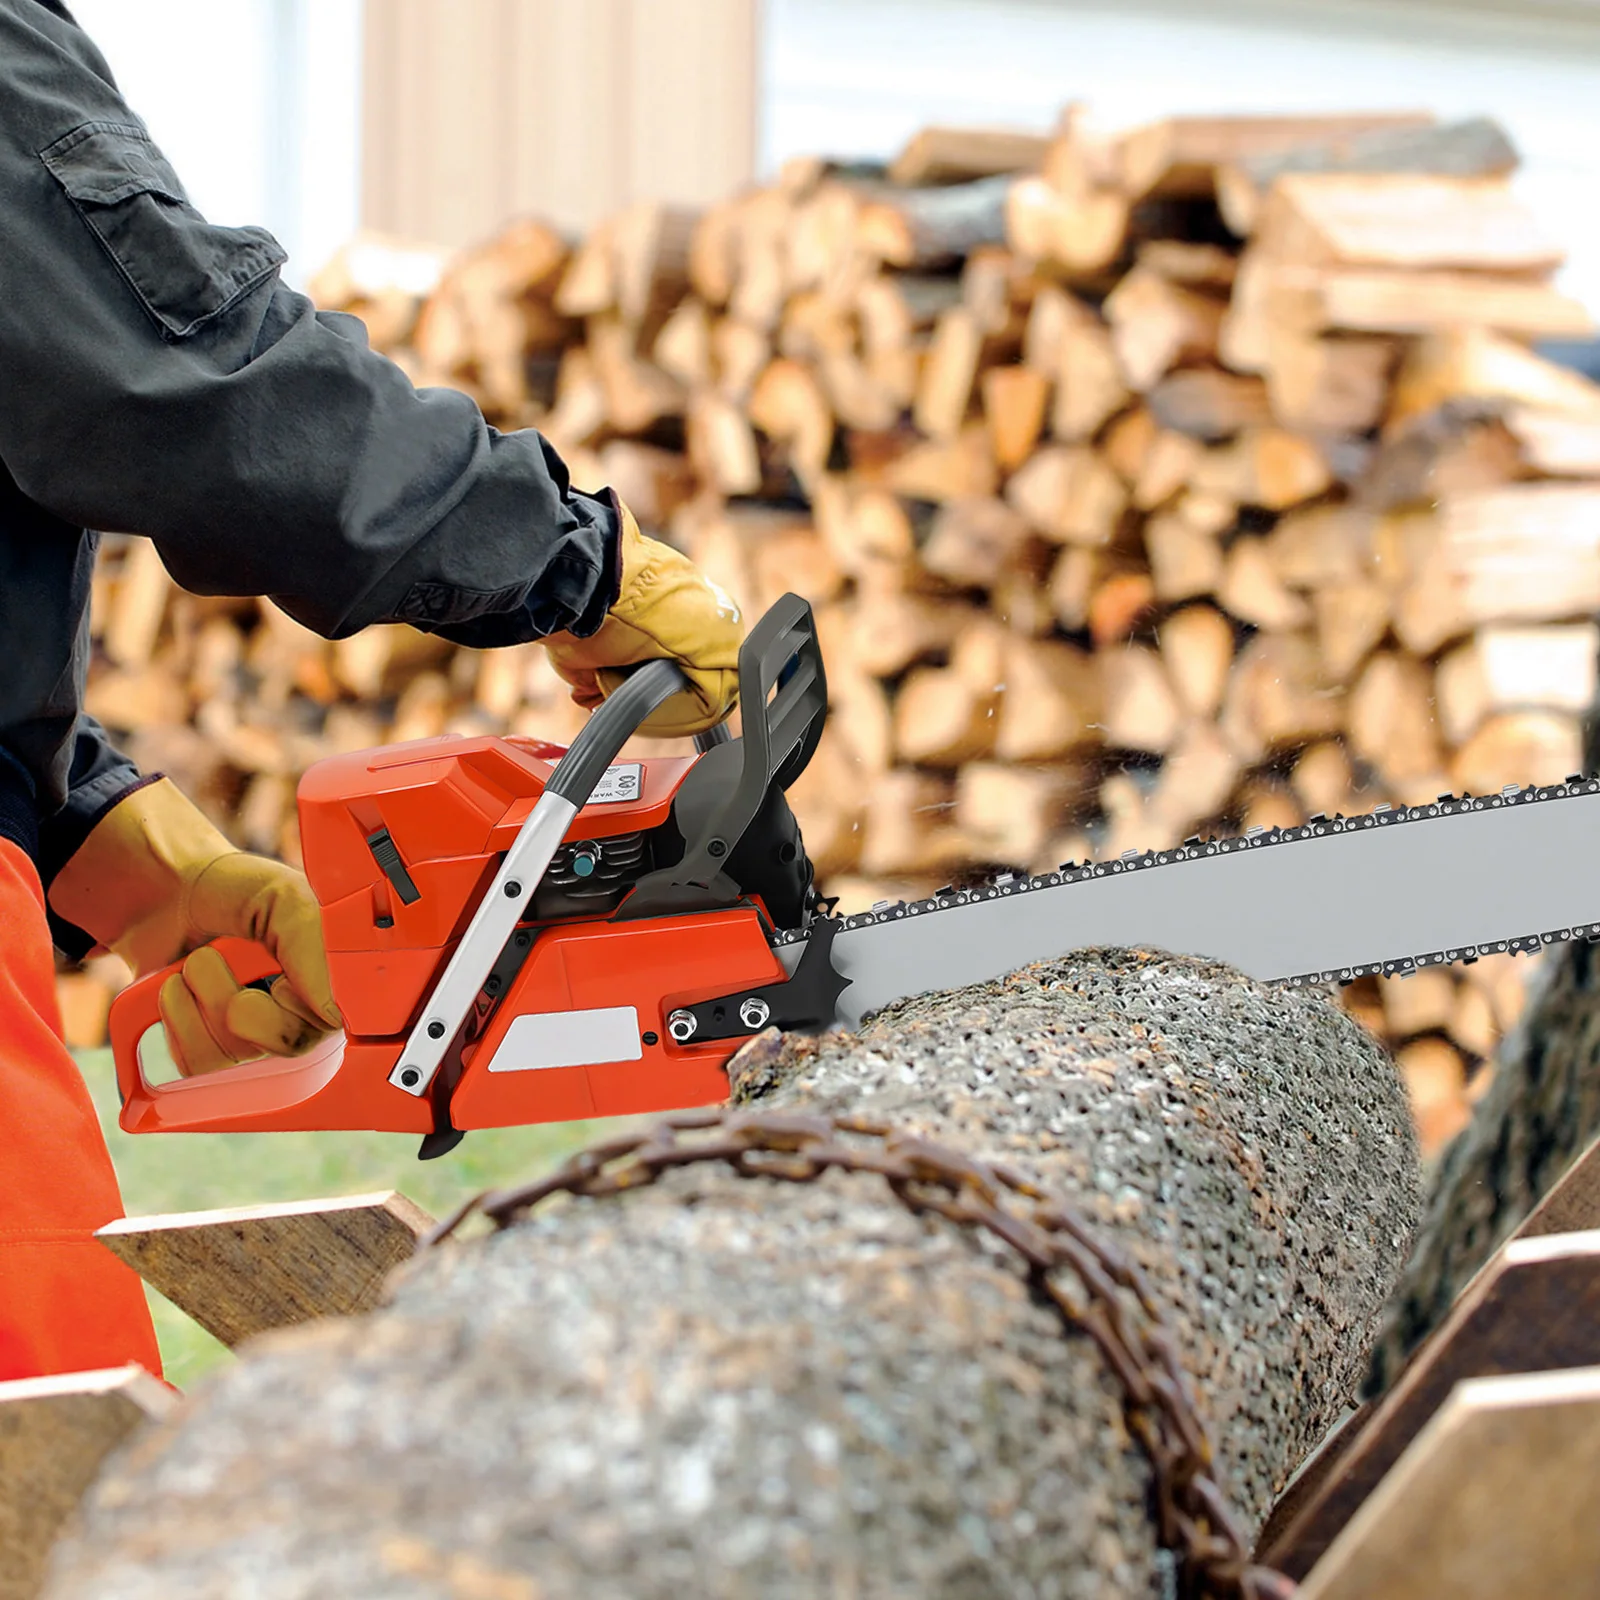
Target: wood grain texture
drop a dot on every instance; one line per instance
(1534, 1308)
(1495, 1498)
(1573, 1205)
(54, 1435)
(246, 1269)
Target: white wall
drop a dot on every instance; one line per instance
(856, 77)
(255, 102)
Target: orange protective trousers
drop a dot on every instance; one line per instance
(66, 1303)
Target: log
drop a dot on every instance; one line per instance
(1392, 722)
(1527, 553)
(1180, 156)
(1118, 606)
(1265, 467)
(1014, 402)
(909, 826)
(1474, 363)
(1520, 747)
(1141, 710)
(1516, 669)
(1077, 237)
(1070, 495)
(1351, 621)
(1051, 705)
(1540, 1112)
(958, 155)
(1197, 650)
(1201, 266)
(1276, 699)
(919, 229)
(1127, 441)
(1209, 404)
(1185, 561)
(55, 1436)
(1455, 451)
(1252, 591)
(1475, 148)
(1197, 776)
(974, 543)
(1329, 385)
(1089, 386)
(1310, 301)
(919, 1415)
(944, 716)
(1168, 465)
(949, 375)
(1414, 221)
(788, 405)
(1010, 813)
(1324, 782)
(1157, 325)
(139, 607)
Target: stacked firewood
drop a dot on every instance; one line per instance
(1194, 480)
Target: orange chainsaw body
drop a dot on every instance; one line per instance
(450, 807)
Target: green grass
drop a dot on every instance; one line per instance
(196, 1171)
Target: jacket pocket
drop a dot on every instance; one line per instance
(184, 271)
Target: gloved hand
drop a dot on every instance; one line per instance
(666, 608)
(155, 881)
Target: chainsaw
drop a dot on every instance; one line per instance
(521, 933)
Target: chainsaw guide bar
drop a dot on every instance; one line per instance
(1386, 893)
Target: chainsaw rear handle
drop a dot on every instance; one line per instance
(137, 1009)
(148, 1107)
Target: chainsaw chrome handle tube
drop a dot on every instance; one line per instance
(537, 841)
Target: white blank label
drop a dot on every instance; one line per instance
(544, 1039)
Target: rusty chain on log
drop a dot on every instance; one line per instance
(1114, 1305)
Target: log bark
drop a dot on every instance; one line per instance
(737, 1388)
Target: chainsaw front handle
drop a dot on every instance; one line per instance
(169, 1107)
(610, 727)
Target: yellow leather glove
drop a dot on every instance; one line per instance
(668, 608)
(155, 881)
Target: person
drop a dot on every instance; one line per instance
(158, 379)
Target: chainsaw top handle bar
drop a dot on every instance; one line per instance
(612, 723)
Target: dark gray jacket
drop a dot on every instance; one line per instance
(156, 378)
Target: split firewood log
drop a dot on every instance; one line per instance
(741, 1387)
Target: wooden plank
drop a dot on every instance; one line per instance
(1495, 1498)
(1534, 1308)
(245, 1269)
(1573, 1205)
(54, 1434)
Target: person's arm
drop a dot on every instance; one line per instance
(160, 380)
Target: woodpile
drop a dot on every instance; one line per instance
(1193, 480)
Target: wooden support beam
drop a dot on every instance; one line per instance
(1534, 1308)
(54, 1433)
(246, 1269)
(1573, 1205)
(1495, 1498)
